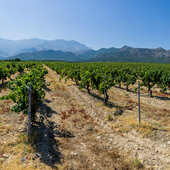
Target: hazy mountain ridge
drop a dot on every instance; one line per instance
(47, 55)
(14, 47)
(38, 49)
(130, 54)
(124, 54)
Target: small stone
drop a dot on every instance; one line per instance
(168, 142)
(138, 148)
(74, 153)
(156, 150)
(98, 137)
(5, 155)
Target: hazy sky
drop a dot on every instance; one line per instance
(96, 23)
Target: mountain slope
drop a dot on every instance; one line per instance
(36, 49)
(54, 55)
(46, 55)
(14, 47)
(129, 54)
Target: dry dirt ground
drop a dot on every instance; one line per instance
(74, 130)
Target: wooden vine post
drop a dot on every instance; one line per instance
(139, 103)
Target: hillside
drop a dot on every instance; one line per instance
(130, 54)
(46, 55)
(124, 54)
(13, 47)
(55, 55)
(38, 49)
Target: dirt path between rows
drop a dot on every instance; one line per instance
(69, 137)
(87, 141)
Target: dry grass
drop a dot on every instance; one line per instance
(5, 130)
(55, 83)
(14, 149)
(125, 123)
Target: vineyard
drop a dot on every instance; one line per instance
(104, 76)
(85, 115)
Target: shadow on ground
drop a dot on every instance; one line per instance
(161, 97)
(119, 109)
(47, 89)
(44, 132)
(129, 90)
(156, 97)
(45, 110)
(3, 86)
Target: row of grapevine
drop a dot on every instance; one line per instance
(102, 76)
(20, 88)
(7, 69)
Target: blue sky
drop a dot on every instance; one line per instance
(96, 23)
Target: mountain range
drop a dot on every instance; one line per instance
(37, 49)
(14, 47)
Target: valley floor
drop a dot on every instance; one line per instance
(74, 130)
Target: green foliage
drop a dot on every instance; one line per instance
(102, 76)
(109, 117)
(20, 90)
(20, 68)
(9, 68)
(17, 59)
(164, 82)
(137, 163)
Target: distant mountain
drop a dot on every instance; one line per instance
(86, 55)
(54, 55)
(14, 47)
(46, 55)
(130, 54)
(124, 54)
(38, 49)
